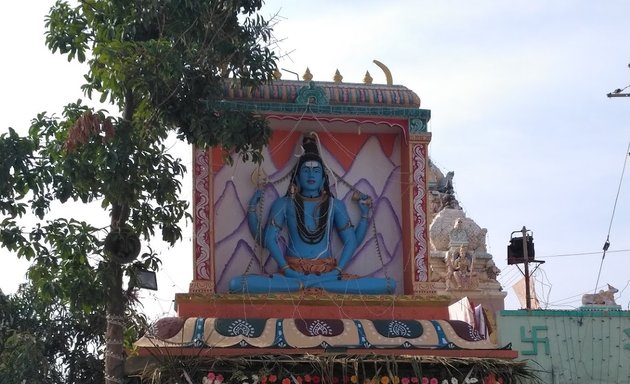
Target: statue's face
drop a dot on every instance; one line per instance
(311, 178)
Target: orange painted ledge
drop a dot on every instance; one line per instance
(373, 307)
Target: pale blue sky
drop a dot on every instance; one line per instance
(517, 92)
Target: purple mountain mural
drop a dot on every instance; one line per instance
(372, 173)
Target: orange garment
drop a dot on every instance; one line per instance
(308, 266)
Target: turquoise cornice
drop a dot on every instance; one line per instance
(418, 125)
(311, 94)
(420, 116)
(293, 97)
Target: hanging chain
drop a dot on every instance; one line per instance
(320, 216)
(378, 250)
(374, 232)
(260, 209)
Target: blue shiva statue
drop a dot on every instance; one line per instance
(309, 212)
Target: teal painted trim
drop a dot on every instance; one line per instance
(362, 337)
(421, 115)
(547, 313)
(535, 339)
(417, 125)
(197, 338)
(280, 341)
(311, 93)
(442, 340)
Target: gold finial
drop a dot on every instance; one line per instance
(367, 79)
(307, 76)
(388, 74)
(337, 78)
(277, 75)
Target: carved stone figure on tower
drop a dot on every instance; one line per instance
(458, 236)
(492, 271)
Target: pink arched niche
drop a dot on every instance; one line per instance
(375, 156)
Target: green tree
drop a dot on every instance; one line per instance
(163, 66)
(42, 341)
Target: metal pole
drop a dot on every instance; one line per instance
(527, 294)
(619, 91)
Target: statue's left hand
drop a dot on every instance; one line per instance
(364, 202)
(364, 206)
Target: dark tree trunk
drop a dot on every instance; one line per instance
(114, 357)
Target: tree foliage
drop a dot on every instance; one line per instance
(165, 60)
(162, 65)
(42, 341)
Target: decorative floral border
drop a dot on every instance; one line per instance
(419, 215)
(202, 214)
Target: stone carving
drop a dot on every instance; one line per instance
(446, 221)
(492, 271)
(445, 185)
(458, 236)
(459, 261)
(602, 297)
(460, 272)
(459, 256)
(441, 190)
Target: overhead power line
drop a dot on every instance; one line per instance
(616, 93)
(583, 253)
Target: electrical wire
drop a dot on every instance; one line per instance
(544, 292)
(607, 242)
(583, 253)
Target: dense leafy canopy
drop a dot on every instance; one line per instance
(163, 66)
(165, 59)
(42, 341)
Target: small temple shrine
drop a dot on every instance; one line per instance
(344, 256)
